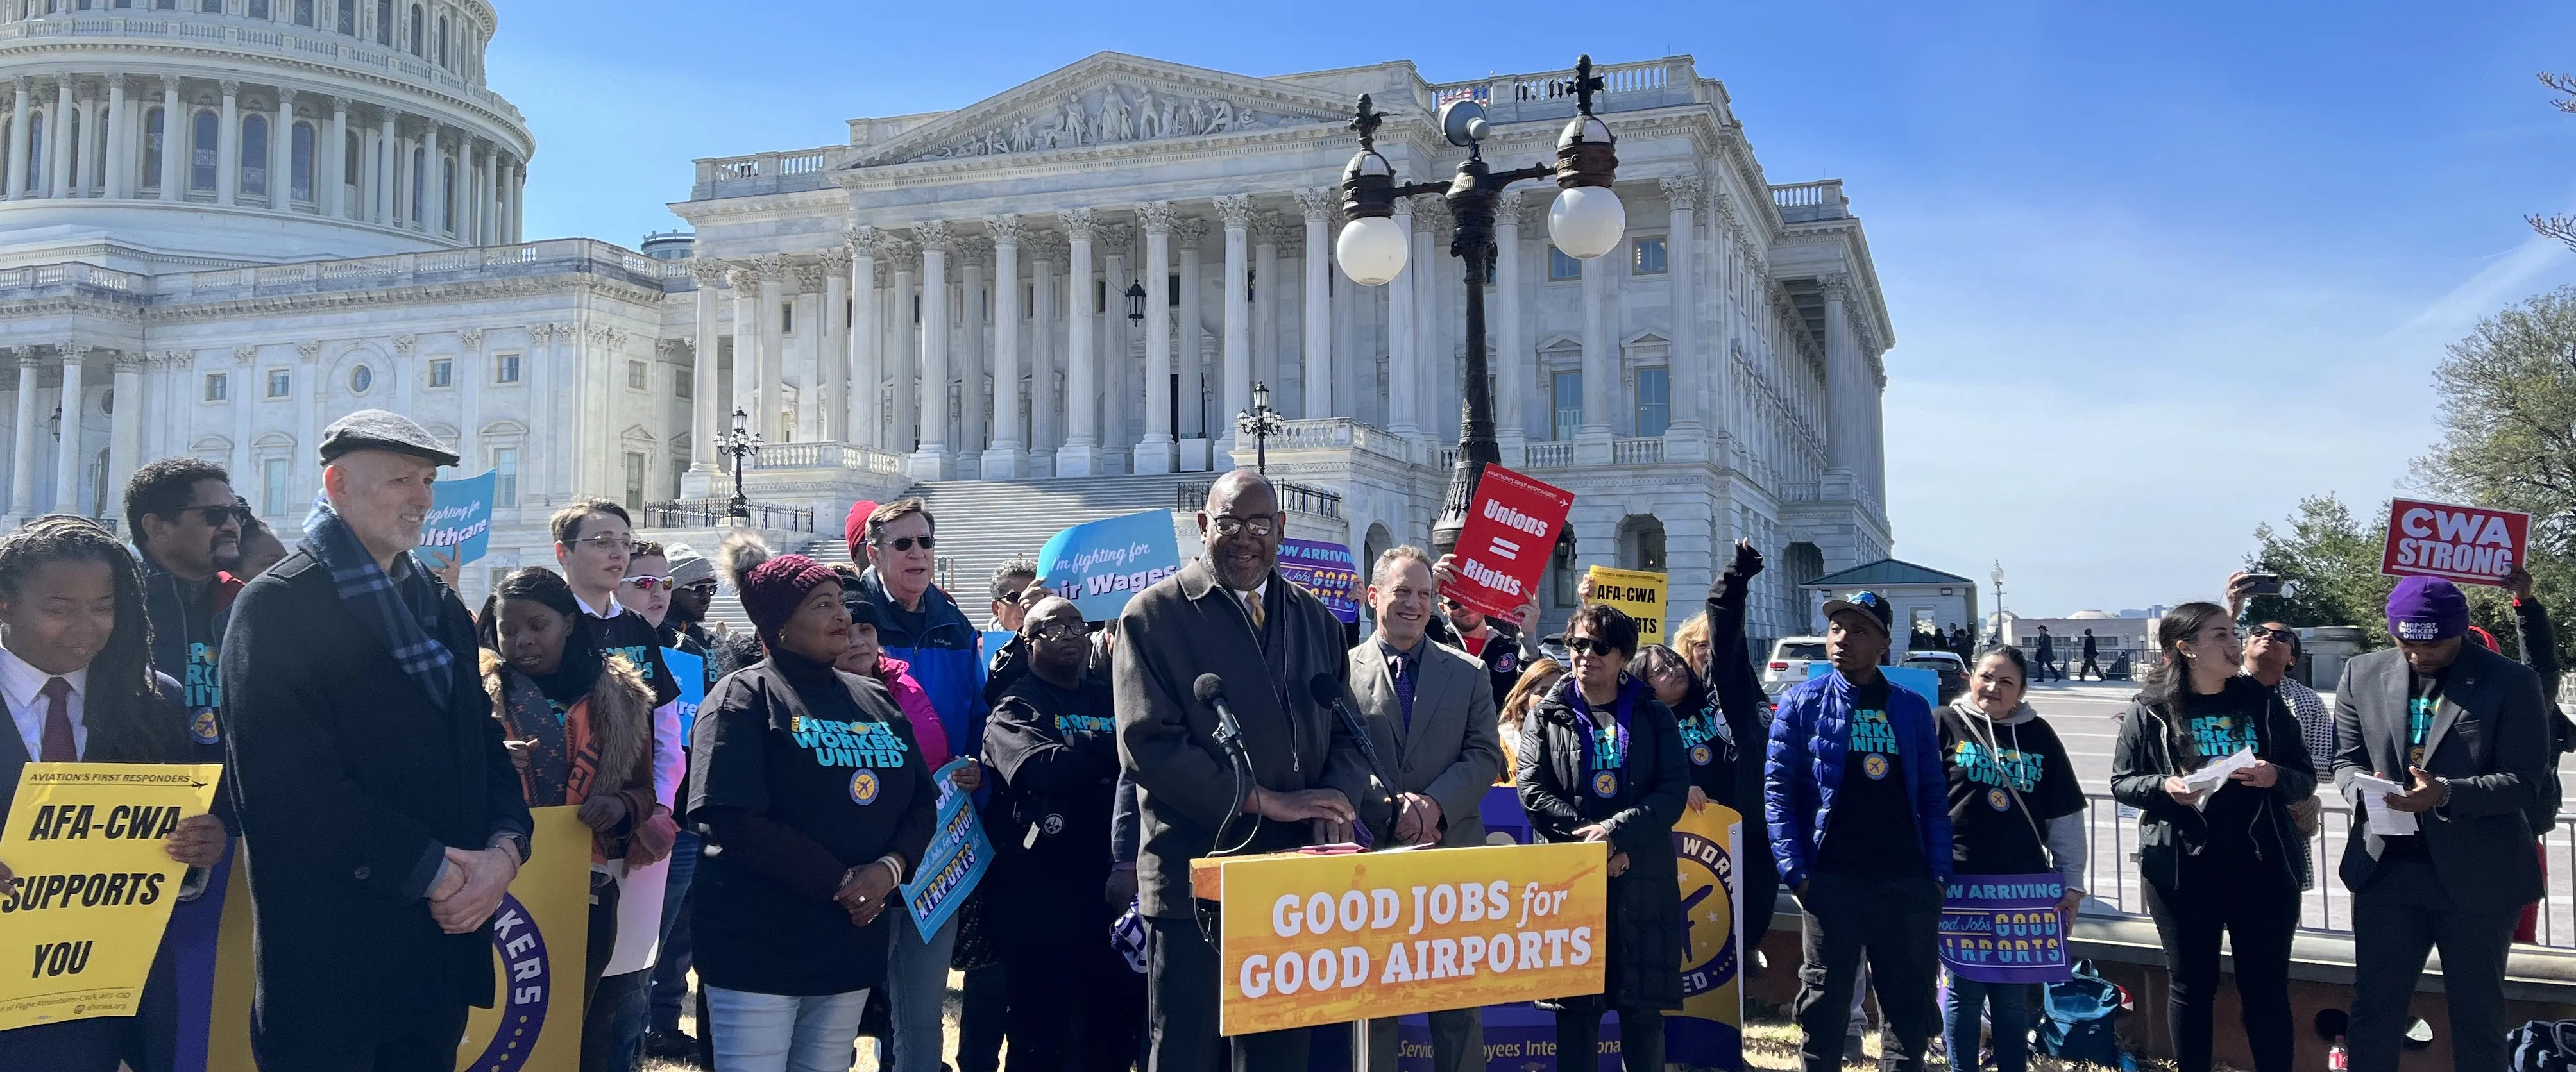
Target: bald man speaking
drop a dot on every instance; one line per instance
(1229, 614)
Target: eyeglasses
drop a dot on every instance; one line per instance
(1061, 631)
(1584, 645)
(216, 515)
(649, 583)
(2259, 633)
(701, 588)
(906, 543)
(604, 541)
(1231, 526)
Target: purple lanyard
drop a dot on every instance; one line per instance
(1611, 754)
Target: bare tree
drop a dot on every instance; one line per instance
(2561, 227)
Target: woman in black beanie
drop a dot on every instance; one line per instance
(815, 805)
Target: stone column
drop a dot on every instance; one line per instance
(1317, 332)
(120, 130)
(58, 156)
(1007, 458)
(768, 366)
(69, 454)
(244, 404)
(281, 153)
(858, 420)
(383, 207)
(800, 416)
(1154, 451)
(487, 201)
(1080, 455)
(1514, 365)
(1236, 211)
(1189, 357)
(1046, 398)
(1267, 234)
(903, 345)
(930, 459)
(83, 158)
(832, 363)
(176, 128)
(21, 96)
(706, 419)
(1682, 372)
(745, 277)
(1116, 353)
(973, 254)
(437, 212)
(334, 161)
(469, 396)
(1600, 368)
(1422, 274)
(22, 457)
(1846, 383)
(1718, 387)
(125, 423)
(1402, 373)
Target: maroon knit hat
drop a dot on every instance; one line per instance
(772, 590)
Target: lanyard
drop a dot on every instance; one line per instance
(1609, 744)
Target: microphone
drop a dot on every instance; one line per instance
(1210, 690)
(1327, 692)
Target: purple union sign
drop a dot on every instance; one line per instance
(2005, 929)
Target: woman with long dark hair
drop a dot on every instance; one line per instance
(579, 725)
(1601, 760)
(76, 676)
(2220, 860)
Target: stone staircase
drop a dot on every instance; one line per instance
(985, 523)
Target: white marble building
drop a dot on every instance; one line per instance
(178, 299)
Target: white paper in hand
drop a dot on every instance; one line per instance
(2385, 821)
(2210, 779)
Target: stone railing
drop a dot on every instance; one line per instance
(402, 269)
(1801, 491)
(1646, 450)
(717, 513)
(1548, 454)
(1550, 94)
(1293, 498)
(40, 276)
(828, 455)
(1805, 202)
(765, 173)
(1330, 433)
(301, 44)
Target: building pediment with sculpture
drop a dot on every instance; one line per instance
(1108, 100)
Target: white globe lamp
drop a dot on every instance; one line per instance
(1372, 250)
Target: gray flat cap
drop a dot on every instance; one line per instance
(376, 429)
(687, 565)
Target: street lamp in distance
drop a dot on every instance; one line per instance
(1260, 422)
(1999, 601)
(739, 443)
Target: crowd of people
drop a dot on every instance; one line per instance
(383, 749)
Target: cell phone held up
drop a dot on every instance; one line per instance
(2259, 584)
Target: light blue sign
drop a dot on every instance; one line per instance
(955, 860)
(460, 518)
(690, 672)
(1921, 682)
(1103, 564)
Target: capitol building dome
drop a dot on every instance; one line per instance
(151, 135)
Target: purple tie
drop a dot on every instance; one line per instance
(60, 746)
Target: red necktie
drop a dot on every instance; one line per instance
(60, 746)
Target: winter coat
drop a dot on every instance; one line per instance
(927, 731)
(946, 659)
(1810, 736)
(1644, 946)
(614, 724)
(2168, 829)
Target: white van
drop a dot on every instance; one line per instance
(1788, 664)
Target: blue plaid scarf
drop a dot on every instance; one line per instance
(402, 611)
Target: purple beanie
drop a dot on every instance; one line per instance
(771, 591)
(2427, 609)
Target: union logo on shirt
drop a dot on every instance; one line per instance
(1874, 765)
(202, 728)
(864, 786)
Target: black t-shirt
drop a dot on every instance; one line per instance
(1709, 743)
(1055, 753)
(1987, 764)
(844, 778)
(1872, 827)
(2216, 727)
(628, 634)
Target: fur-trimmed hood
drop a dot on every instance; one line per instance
(621, 720)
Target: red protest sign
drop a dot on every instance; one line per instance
(1511, 528)
(2468, 544)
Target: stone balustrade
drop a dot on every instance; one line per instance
(291, 43)
(765, 173)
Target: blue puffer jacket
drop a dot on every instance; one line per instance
(1809, 734)
(946, 659)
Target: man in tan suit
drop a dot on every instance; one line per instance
(1430, 715)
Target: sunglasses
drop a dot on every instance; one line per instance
(604, 542)
(906, 543)
(701, 588)
(1584, 645)
(650, 583)
(216, 515)
(2282, 635)
(1061, 631)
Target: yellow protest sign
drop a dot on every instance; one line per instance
(94, 884)
(1708, 1032)
(1318, 939)
(1636, 593)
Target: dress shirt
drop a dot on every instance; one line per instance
(24, 687)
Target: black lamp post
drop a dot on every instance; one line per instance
(1135, 304)
(1260, 422)
(1586, 222)
(738, 444)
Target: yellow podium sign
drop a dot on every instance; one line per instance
(94, 884)
(1638, 594)
(1319, 939)
(1708, 1032)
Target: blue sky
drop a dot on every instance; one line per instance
(2155, 273)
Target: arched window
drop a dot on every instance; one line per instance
(447, 194)
(201, 151)
(384, 22)
(419, 30)
(304, 12)
(35, 152)
(154, 122)
(258, 9)
(348, 20)
(442, 40)
(419, 173)
(254, 155)
(300, 153)
(349, 154)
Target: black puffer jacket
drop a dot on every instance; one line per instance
(1644, 946)
(2169, 830)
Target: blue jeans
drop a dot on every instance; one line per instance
(2007, 1008)
(774, 1033)
(671, 969)
(620, 1000)
(916, 989)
